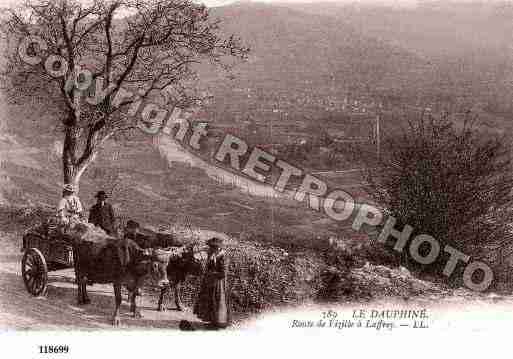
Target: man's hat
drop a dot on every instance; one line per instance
(132, 224)
(215, 242)
(101, 194)
(68, 187)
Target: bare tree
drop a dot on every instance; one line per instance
(135, 50)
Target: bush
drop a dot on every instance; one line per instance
(451, 183)
(24, 216)
(261, 277)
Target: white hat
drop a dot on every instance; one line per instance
(68, 187)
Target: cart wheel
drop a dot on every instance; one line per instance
(34, 271)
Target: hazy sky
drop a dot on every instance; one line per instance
(225, 2)
(387, 2)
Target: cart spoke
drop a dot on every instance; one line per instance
(37, 283)
(30, 281)
(27, 278)
(34, 271)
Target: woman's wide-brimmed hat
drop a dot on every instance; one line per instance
(68, 187)
(101, 194)
(215, 242)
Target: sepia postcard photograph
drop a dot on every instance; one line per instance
(220, 178)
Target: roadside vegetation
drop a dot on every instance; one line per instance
(450, 180)
(266, 275)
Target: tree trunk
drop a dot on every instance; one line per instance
(72, 175)
(73, 165)
(69, 153)
(72, 169)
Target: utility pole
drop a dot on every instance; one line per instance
(378, 137)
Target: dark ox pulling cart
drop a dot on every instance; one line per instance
(99, 258)
(46, 248)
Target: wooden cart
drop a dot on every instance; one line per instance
(43, 253)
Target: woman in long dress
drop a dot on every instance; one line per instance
(212, 305)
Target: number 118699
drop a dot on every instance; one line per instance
(53, 349)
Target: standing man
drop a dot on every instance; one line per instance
(132, 233)
(102, 214)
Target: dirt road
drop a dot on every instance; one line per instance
(58, 309)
